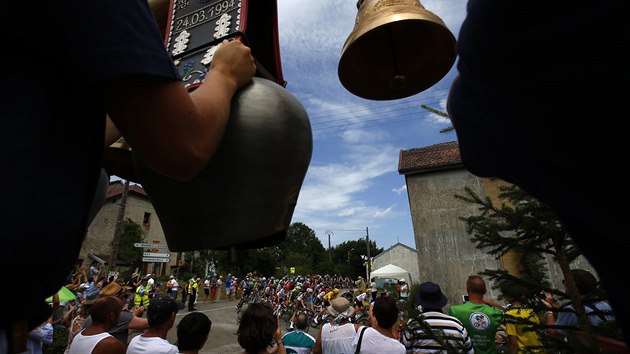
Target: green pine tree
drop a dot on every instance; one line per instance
(530, 230)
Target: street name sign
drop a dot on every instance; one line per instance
(155, 259)
(149, 245)
(159, 255)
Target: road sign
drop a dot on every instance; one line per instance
(159, 255)
(155, 259)
(149, 245)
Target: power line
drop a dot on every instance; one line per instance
(361, 125)
(418, 109)
(337, 230)
(314, 116)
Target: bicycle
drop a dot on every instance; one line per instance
(318, 319)
(244, 300)
(360, 317)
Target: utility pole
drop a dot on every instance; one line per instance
(118, 229)
(329, 233)
(369, 259)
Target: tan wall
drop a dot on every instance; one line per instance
(101, 232)
(400, 256)
(446, 255)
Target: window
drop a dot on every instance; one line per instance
(146, 221)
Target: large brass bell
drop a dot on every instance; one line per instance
(396, 49)
(246, 195)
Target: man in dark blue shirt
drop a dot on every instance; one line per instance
(72, 64)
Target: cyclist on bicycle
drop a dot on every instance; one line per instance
(326, 299)
(362, 301)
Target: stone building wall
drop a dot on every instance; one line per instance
(139, 209)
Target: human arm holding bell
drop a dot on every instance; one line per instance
(176, 132)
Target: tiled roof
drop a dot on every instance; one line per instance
(116, 189)
(429, 158)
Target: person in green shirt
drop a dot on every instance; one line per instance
(480, 317)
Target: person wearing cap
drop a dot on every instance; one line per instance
(193, 285)
(379, 336)
(228, 287)
(327, 300)
(430, 300)
(213, 288)
(337, 337)
(142, 295)
(362, 300)
(161, 314)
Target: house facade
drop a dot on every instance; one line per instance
(400, 255)
(445, 253)
(97, 245)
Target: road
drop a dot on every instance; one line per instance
(224, 325)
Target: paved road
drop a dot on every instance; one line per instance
(224, 325)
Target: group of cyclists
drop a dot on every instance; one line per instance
(312, 295)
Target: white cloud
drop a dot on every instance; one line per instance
(400, 190)
(347, 212)
(334, 187)
(383, 212)
(356, 142)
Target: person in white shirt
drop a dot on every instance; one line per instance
(373, 289)
(379, 338)
(95, 338)
(361, 300)
(404, 290)
(337, 337)
(161, 315)
(151, 284)
(174, 288)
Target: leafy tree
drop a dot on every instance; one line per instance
(348, 257)
(130, 234)
(301, 249)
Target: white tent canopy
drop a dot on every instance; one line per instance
(391, 271)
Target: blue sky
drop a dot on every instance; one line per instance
(353, 181)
